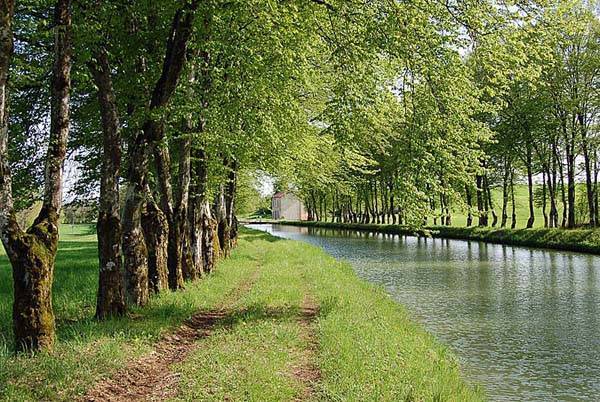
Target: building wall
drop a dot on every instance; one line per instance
(288, 207)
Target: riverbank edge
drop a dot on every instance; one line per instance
(576, 240)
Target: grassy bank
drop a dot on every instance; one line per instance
(579, 240)
(364, 346)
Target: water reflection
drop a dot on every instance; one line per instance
(523, 322)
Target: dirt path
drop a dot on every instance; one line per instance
(308, 371)
(150, 378)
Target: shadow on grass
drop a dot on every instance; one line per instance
(252, 235)
(257, 312)
(74, 294)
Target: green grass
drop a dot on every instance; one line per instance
(87, 349)
(368, 346)
(459, 218)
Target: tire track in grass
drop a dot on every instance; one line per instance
(150, 378)
(308, 371)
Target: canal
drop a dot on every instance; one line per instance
(523, 322)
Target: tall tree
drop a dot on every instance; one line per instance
(111, 292)
(32, 252)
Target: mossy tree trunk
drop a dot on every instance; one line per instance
(209, 238)
(202, 225)
(111, 288)
(156, 232)
(182, 224)
(174, 245)
(222, 223)
(32, 253)
(135, 251)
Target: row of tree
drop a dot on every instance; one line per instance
(371, 109)
(159, 105)
(520, 105)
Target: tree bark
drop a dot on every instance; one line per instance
(182, 224)
(209, 238)
(221, 221)
(156, 233)
(163, 168)
(111, 290)
(135, 251)
(202, 224)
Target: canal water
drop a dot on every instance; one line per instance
(525, 323)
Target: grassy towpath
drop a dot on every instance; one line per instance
(278, 321)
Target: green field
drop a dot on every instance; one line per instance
(459, 218)
(361, 344)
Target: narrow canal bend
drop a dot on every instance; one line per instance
(523, 322)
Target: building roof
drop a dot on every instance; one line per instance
(279, 194)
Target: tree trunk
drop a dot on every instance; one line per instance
(529, 164)
(222, 223)
(230, 190)
(111, 289)
(570, 157)
(198, 206)
(505, 180)
(163, 168)
(552, 192)
(563, 196)
(490, 202)
(135, 251)
(189, 270)
(32, 254)
(469, 206)
(544, 213)
(209, 236)
(156, 236)
(588, 172)
(571, 192)
(596, 187)
(483, 215)
(513, 216)
(376, 202)
(392, 206)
